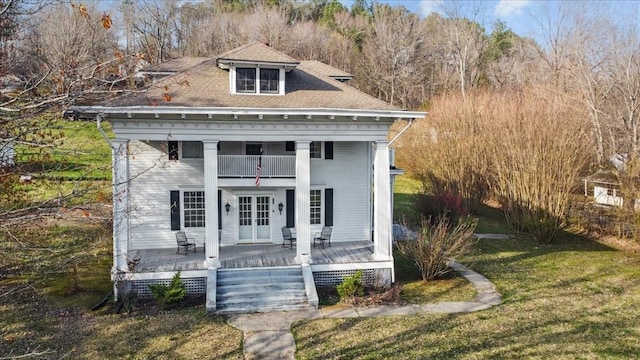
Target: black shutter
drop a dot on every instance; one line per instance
(328, 207)
(328, 150)
(173, 150)
(290, 146)
(175, 209)
(219, 209)
(291, 206)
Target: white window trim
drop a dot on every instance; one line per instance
(322, 204)
(183, 207)
(281, 82)
(321, 151)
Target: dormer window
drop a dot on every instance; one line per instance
(269, 79)
(256, 69)
(245, 80)
(258, 80)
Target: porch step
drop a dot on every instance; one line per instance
(260, 290)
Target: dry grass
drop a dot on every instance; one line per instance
(44, 304)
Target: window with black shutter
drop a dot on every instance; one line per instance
(291, 203)
(328, 207)
(175, 209)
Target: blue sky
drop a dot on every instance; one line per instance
(521, 16)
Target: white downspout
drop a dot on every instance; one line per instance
(104, 135)
(393, 270)
(401, 131)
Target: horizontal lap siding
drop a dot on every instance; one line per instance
(349, 175)
(153, 177)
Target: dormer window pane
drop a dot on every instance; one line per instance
(246, 80)
(269, 80)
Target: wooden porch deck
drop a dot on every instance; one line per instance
(244, 256)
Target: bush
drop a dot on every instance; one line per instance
(437, 244)
(169, 295)
(351, 286)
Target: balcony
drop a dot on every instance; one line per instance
(273, 166)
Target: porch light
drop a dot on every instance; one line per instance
(227, 207)
(280, 207)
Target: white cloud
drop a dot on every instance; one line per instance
(507, 8)
(429, 6)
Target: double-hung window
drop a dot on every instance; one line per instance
(193, 209)
(315, 203)
(315, 150)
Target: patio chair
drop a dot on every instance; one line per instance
(286, 236)
(325, 235)
(185, 243)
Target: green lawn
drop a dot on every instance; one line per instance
(575, 299)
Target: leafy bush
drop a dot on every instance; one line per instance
(437, 244)
(169, 295)
(351, 286)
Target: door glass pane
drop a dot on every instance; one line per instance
(263, 211)
(244, 217)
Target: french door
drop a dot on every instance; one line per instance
(254, 219)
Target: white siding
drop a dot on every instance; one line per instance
(349, 174)
(601, 196)
(153, 177)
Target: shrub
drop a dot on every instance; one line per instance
(437, 244)
(351, 286)
(169, 295)
(437, 206)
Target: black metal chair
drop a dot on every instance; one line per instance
(185, 243)
(286, 236)
(325, 235)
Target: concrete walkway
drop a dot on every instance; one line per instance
(267, 336)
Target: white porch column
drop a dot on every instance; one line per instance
(381, 202)
(211, 203)
(303, 188)
(121, 215)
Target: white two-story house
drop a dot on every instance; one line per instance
(235, 148)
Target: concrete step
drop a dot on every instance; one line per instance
(259, 279)
(239, 289)
(260, 290)
(244, 309)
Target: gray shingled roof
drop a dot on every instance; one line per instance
(207, 85)
(323, 68)
(257, 52)
(176, 65)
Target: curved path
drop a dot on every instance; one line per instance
(268, 335)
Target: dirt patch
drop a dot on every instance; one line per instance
(622, 244)
(80, 215)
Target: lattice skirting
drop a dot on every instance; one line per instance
(335, 277)
(194, 286)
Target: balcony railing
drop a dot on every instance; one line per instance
(245, 165)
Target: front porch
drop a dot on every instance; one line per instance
(248, 256)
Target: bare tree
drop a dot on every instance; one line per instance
(395, 52)
(153, 26)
